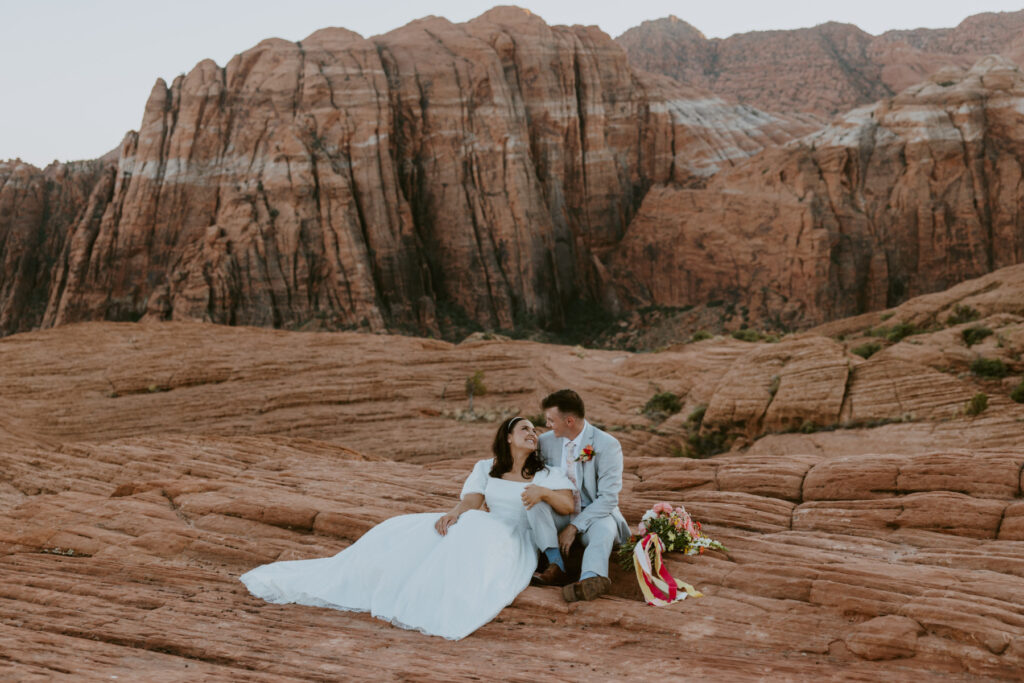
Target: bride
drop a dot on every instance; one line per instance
(442, 574)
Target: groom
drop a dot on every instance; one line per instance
(592, 459)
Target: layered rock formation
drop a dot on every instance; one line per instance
(907, 196)
(439, 172)
(38, 210)
(823, 70)
(505, 174)
(139, 479)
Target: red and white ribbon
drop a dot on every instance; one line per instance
(657, 585)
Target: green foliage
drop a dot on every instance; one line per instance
(992, 368)
(867, 350)
(700, 335)
(539, 420)
(747, 335)
(1018, 393)
(700, 442)
(475, 387)
(976, 404)
(665, 403)
(901, 330)
(962, 314)
(973, 335)
(896, 333)
(808, 427)
(705, 443)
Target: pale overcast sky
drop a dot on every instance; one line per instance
(76, 73)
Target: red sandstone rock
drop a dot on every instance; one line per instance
(824, 70)
(897, 199)
(38, 211)
(144, 477)
(437, 174)
(888, 637)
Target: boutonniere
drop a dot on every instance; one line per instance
(586, 454)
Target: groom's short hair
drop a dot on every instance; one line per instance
(566, 400)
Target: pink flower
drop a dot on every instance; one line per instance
(661, 507)
(690, 528)
(641, 528)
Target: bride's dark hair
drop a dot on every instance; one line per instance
(503, 453)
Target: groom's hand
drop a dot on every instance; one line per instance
(533, 494)
(565, 538)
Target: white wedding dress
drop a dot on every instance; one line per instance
(404, 572)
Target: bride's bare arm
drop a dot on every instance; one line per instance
(471, 501)
(560, 500)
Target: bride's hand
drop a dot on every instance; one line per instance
(532, 495)
(445, 522)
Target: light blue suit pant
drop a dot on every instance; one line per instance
(545, 524)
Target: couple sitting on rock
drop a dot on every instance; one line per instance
(448, 574)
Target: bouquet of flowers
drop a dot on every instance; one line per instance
(663, 528)
(676, 529)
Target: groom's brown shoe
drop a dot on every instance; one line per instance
(586, 589)
(552, 576)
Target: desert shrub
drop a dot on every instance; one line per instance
(747, 335)
(962, 314)
(475, 387)
(1018, 393)
(808, 427)
(896, 333)
(700, 335)
(696, 417)
(989, 367)
(705, 444)
(867, 350)
(538, 420)
(900, 331)
(664, 402)
(976, 404)
(973, 335)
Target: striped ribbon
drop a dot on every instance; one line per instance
(657, 585)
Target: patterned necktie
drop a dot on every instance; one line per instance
(570, 471)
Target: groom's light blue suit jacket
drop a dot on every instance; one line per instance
(599, 479)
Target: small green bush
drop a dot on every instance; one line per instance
(808, 427)
(962, 314)
(1018, 393)
(539, 420)
(990, 367)
(696, 417)
(700, 335)
(710, 443)
(867, 350)
(747, 335)
(976, 404)
(475, 387)
(663, 402)
(973, 335)
(895, 333)
(900, 331)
